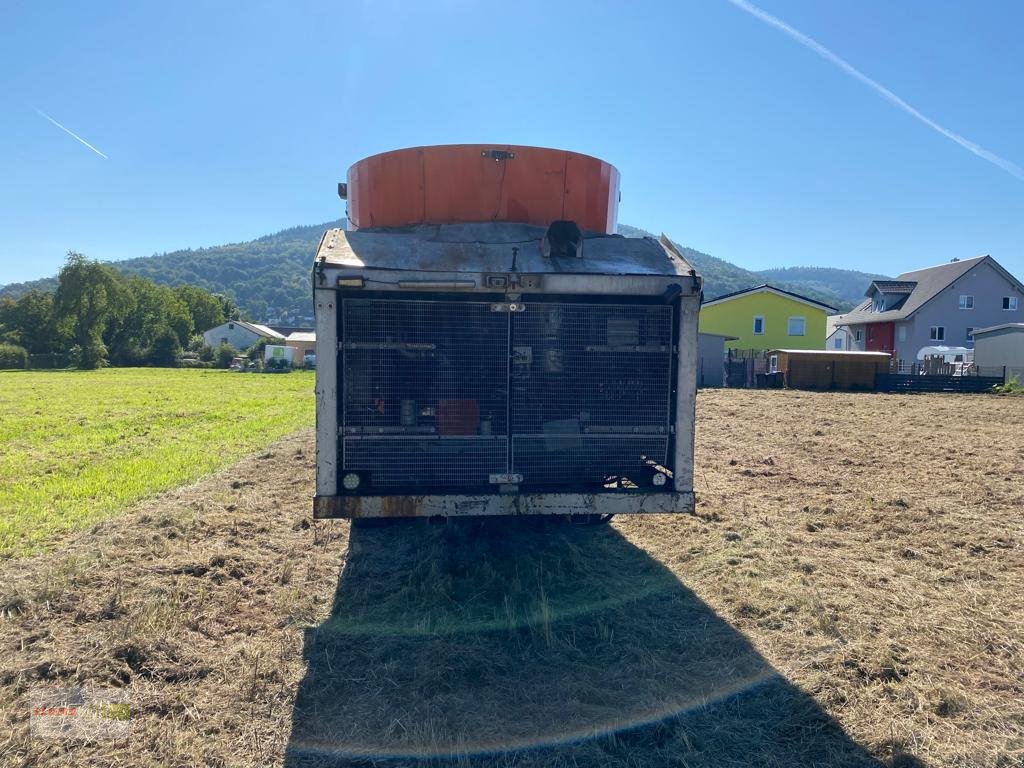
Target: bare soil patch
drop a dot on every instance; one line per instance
(850, 591)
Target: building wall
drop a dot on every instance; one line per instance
(302, 348)
(988, 288)
(822, 370)
(1002, 347)
(711, 359)
(838, 341)
(735, 317)
(236, 335)
(880, 337)
(983, 282)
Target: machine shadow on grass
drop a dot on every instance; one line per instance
(537, 643)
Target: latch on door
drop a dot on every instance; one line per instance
(509, 306)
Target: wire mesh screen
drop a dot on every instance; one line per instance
(583, 377)
(433, 390)
(593, 460)
(429, 368)
(591, 369)
(427, 462)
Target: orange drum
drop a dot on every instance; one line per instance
(456, 183)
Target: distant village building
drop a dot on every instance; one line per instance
(711, 359)
(837, 337)
(240, 334)
(1001, 346)
(303, 342)
(765, 317)
(939, 306)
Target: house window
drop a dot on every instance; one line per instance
(796, 326)
(231, 326)
(858, 335)
(937, 333)
(901, 333)
(966, 302)
(837, 343)
(223, 339)
(758, 325)
(880, 303)
(969, 332)
(1010, 303)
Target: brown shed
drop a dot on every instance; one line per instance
(828, 369)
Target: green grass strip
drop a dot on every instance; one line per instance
(80, 446)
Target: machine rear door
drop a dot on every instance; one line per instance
(458, 395)
(591, 392)
(425, 394)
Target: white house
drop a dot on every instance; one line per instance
(837, 337)
(240, 334)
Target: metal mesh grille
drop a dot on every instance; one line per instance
(573, 460)
(429, 462)
(427, 379)
(424, 367)
(429, 389)
(591, 368)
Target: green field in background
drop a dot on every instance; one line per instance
(80, 446)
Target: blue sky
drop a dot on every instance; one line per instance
(226, 121)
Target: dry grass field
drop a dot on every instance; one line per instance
(850, 592)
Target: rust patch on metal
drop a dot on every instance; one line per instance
(399, 506)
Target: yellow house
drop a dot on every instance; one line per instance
(766, 318)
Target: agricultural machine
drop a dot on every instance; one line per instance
(487, 345)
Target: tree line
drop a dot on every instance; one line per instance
(98, 316)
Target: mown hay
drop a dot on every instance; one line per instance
(848, 592)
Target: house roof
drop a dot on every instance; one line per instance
(302, 336)
(259, 330)
(765, 288)
(1000, 327)
(719, 335)
(892, 286)
(928, 283)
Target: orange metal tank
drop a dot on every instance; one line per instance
(456, 183)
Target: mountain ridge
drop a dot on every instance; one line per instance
(838, 288)
(269, 277)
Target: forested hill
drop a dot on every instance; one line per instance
(839, 288)
(847, 283)
(269, 278)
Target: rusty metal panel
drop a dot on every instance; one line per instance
(457, 505)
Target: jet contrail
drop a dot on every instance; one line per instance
(885, 93)
(71, 133)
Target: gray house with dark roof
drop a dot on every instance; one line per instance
(937, 306)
